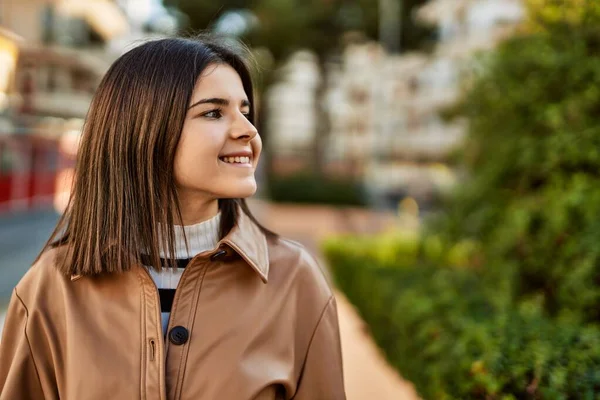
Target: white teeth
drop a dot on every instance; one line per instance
(236, 160)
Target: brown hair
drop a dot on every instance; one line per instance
(124, 196)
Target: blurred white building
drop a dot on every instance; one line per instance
(291, 110)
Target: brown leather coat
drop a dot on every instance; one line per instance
(253, 319)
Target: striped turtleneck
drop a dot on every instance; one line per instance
(200, 237)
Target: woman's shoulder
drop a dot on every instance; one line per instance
(43, 276)
(291, 261)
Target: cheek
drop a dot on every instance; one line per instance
(196, 158)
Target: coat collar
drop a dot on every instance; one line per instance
(246, 239)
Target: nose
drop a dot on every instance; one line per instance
(243, 129)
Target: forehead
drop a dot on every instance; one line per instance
(219, 80)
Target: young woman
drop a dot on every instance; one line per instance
(158, 283)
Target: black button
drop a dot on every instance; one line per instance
(218, 254)
(179, 335)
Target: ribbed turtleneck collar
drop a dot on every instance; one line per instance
(200, 237)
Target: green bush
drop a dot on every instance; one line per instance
(313, 188)
(499, 298)
(533, 153)
(456, 332)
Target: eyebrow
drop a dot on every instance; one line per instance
(218, 101)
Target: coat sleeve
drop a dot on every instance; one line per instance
(322, 376)
(19, 377)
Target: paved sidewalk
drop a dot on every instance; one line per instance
(367, 375)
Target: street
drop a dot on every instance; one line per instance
(21, 238)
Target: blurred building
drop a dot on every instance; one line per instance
(386, 128)
(53, 54)
(291, 108)
(48, 87)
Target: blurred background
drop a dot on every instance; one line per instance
(439, 156)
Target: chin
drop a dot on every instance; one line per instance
(240, 191)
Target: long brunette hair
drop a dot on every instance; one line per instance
(124, 196)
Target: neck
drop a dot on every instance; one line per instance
(194, 211)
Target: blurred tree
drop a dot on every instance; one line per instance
(288, 25)
(285, 26)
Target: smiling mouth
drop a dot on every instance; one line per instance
(235, 160)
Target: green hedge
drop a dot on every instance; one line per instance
(455, 331)
(499, 297)
(312, 188)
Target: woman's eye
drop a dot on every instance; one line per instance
(214, 114)
(247, 115)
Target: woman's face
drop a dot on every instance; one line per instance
(219, 148)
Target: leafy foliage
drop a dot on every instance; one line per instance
(285, 26)
(456, 332)
(533, 153)
(502, 298)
